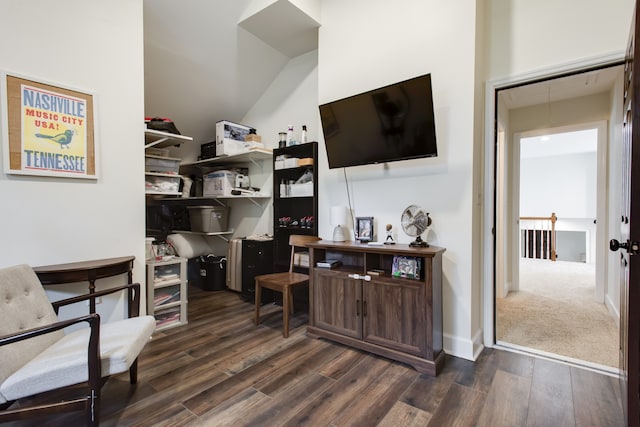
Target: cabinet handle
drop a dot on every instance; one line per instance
(357, 308)
(364, 309)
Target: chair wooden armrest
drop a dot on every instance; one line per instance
(133, 298)
(89, 402)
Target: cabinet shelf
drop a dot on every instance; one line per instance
(165, 283)
(167, 305)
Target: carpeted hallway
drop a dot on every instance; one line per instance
(554, 312)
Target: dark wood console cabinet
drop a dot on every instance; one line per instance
(394, 317)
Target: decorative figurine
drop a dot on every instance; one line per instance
(389, 240)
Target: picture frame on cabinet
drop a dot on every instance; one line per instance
(407, 267)
(364, 229)
(48, 129)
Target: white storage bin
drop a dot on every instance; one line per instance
(161, 184)
(301, 190)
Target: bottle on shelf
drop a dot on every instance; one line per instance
(303, 135)
(290, 140)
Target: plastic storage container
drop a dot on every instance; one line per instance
(161, 164)
(208, 219)
(213, 272)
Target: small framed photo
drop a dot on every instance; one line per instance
(407, 267)
(364, 228)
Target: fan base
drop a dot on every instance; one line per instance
(419, 243)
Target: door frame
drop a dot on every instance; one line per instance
(601, 251)
(490, 179)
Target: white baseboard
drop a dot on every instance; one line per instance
(612, 308)
(464, 348)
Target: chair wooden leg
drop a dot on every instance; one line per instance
(291, 301)
(286, 303)
(133, 372)
(258, 300)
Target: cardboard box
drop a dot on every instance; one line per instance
(218, 183)
(307, 161)
(252, 137)
(208, 150)
(230, 139)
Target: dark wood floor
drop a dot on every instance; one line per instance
(221, 370)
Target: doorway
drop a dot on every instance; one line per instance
(554, 304)
(577, 104)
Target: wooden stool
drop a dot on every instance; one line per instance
(283, 282)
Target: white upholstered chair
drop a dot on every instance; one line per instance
(37, 356)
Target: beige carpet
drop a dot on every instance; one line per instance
(554, 311)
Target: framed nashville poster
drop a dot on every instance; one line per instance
(47, 129)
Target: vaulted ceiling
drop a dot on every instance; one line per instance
(211, 60)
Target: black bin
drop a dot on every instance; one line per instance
(213, 272)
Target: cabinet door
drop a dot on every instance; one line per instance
(338, 302)
(394, 315)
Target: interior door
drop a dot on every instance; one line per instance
(628, 246)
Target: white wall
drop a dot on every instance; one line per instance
(95, 46)
(292, 98)
(529, 35)
(389, 42)
(563, 184)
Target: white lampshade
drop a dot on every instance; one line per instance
(339, 218)
(338, 215)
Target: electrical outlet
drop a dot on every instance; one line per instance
(98, 301)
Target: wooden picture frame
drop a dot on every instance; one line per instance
(47, 129)
(364, 229)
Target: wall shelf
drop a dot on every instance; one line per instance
(254, 155)
(219, 234)
(159, 139)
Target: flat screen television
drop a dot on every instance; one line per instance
(387, 124)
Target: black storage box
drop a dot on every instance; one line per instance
(208, 150)
(193, 272)
(213, 272)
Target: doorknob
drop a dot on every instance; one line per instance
(614, 245)
(631, 247)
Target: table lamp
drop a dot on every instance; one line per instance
(339, 218)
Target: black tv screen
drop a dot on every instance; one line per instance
(387, 124)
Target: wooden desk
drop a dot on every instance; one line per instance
(86, 271)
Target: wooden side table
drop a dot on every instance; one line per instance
(86, 271)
